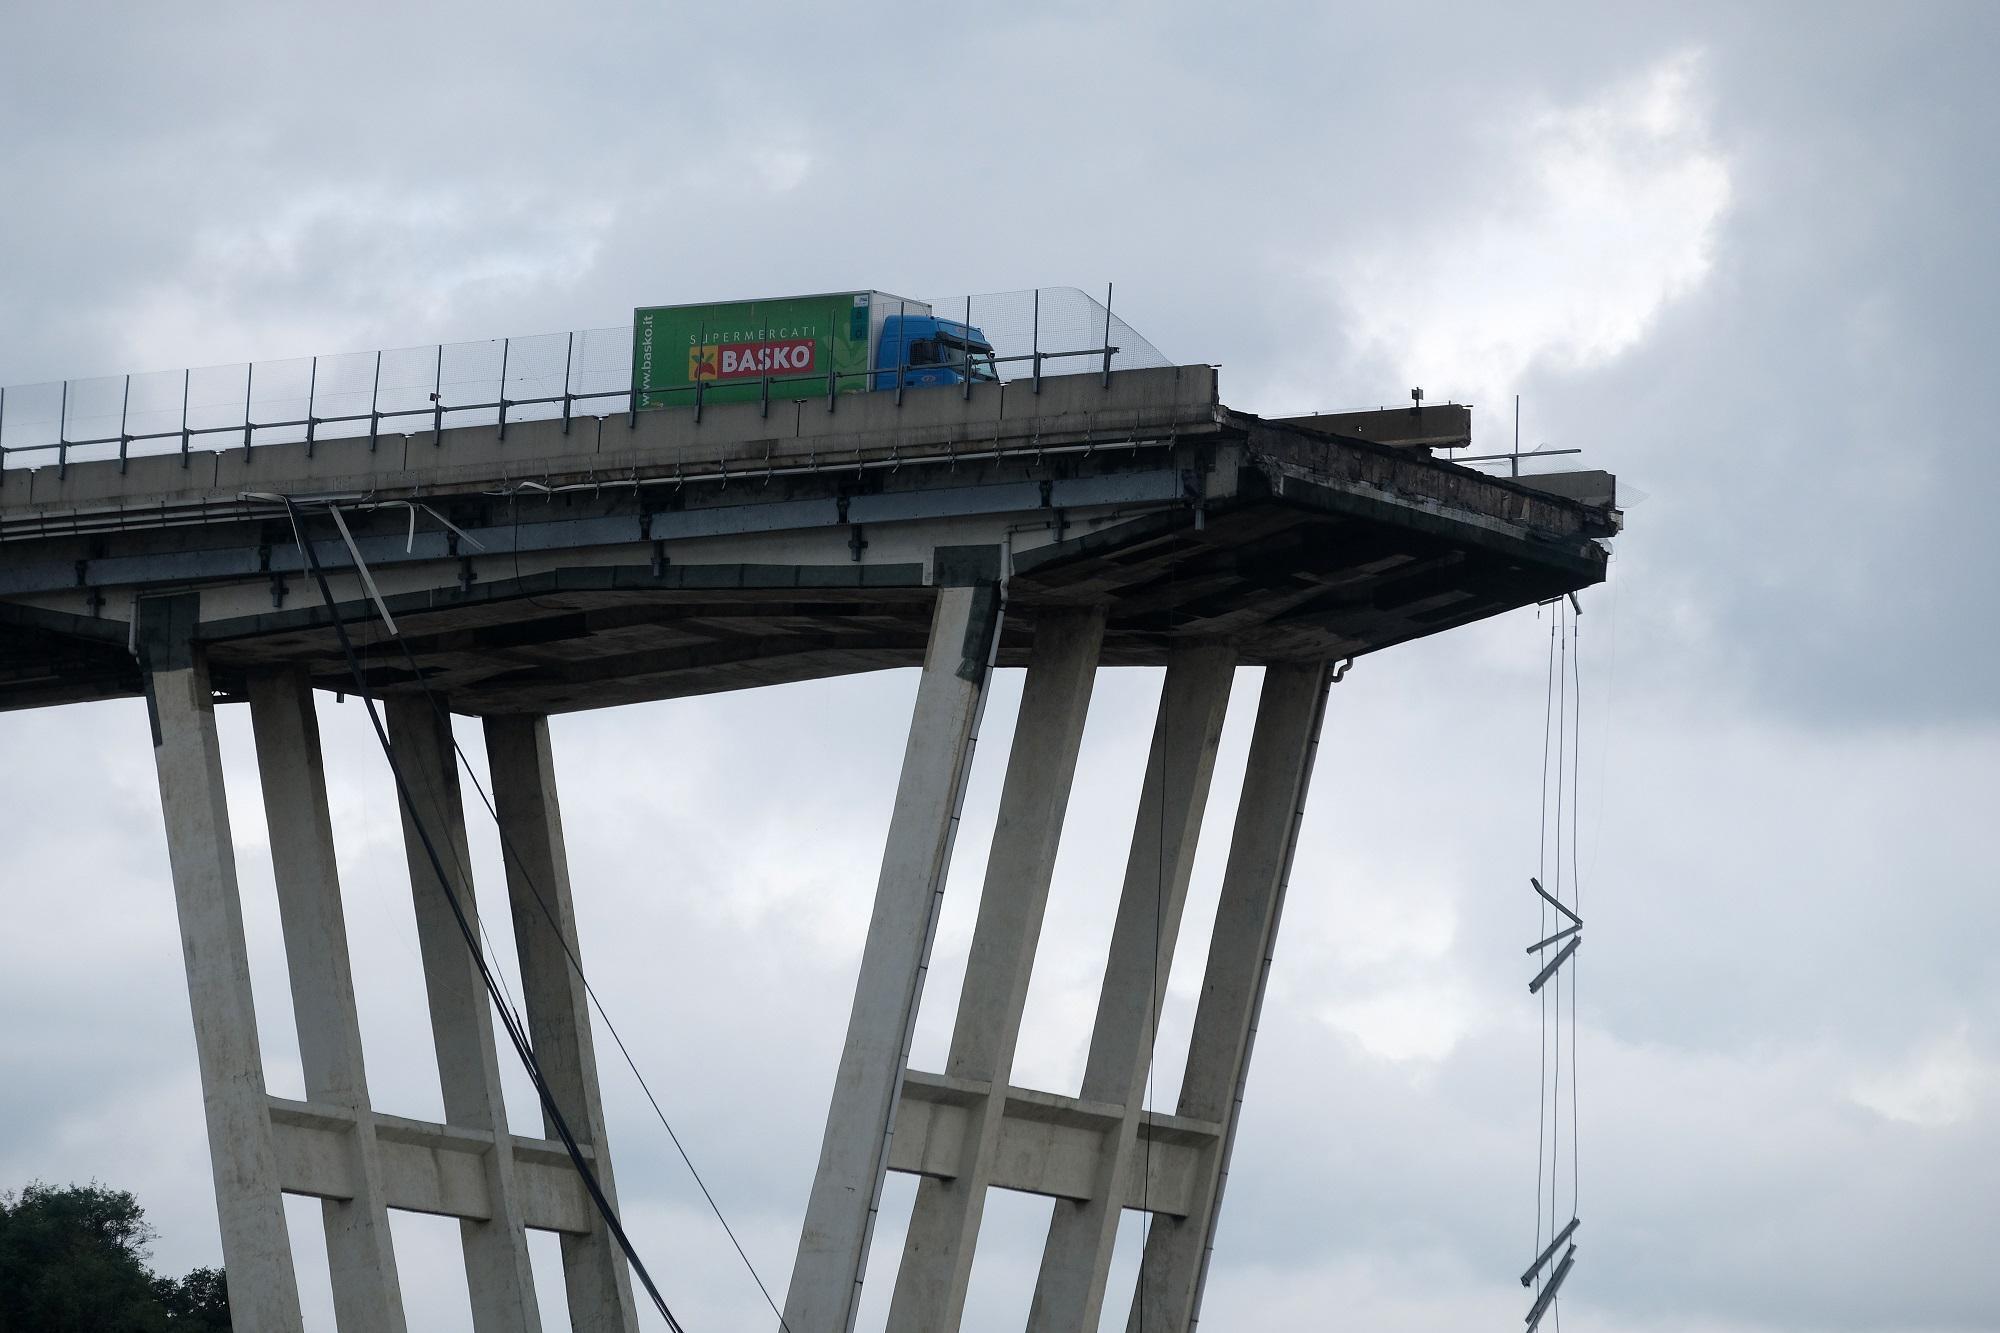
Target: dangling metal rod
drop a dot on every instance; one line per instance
(361, 568)
(1554, 1245)
(1562, 934)
(1552, 901)
(1542, 1302)
(1554, 963)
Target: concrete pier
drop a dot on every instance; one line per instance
(944, 1229)
(497, 1271)
(256, 1244)
(1076, 1258)
(847, 1188)
(361, 1256)
(538, 890)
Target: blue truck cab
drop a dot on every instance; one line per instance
(923, 350)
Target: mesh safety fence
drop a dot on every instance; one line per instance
(409, 390)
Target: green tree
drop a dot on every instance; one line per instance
(197, 1303)
(72, 1260)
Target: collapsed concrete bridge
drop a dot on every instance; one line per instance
(1085, 521)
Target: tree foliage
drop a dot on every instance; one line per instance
(72, 1260)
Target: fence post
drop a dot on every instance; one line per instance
(966, 375)
(902, 346)
(437, 402)
(569, 355)
(62, 433)
(3, 435)
(186, 376)
(699, 381)
(312, 392)
(374, 403)
(1035, 341)
(505, 345)
(124, 412)
(249, 377)
(1107, 335)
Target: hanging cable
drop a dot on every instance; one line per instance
(1562, 724)
(512, 856)
(1576, 897)
(516, 1035)
(1541, 872)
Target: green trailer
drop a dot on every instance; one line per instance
(744, 351)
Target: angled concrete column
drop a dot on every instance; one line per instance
(944, 1228)
(1282, 749)
(496, 1251)
(256, 1245)
(840, 1215)
(1069, 1292)
(524, 792)
(360, 1255)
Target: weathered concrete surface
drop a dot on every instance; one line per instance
(1283, 745)
(825, 1290)
(256, 1245)
(361, 1256)
(944, 1227)
(497, 1271)
(1167, 400)
(1076, 1257)
(538, 889)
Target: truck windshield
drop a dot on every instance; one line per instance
(972, 359)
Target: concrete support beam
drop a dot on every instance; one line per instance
(598, 1284)
(256, 1245)
(846, 1194)
(1282, 750)
(1047, 1143)
(944, 1226)
(425, 1167)
(361, 1257)
(1069, 1291)
(497, 1271)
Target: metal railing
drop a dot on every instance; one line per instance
(557, 376)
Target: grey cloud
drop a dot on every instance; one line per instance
(1787, 767)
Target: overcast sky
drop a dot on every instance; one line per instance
(1740, 255)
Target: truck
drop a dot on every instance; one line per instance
(799, 347)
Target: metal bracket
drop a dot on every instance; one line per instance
(1528, 1277)
(1543, 1301)
(1541, 977)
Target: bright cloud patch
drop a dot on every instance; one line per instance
(1607, 213)
(1941, 1084)
(1418, 1022)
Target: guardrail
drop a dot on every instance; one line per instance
(1035, 333)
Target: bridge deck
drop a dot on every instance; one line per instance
(552, 571)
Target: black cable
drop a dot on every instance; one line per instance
(509, 1021)
(576, 966)
(513, 855)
